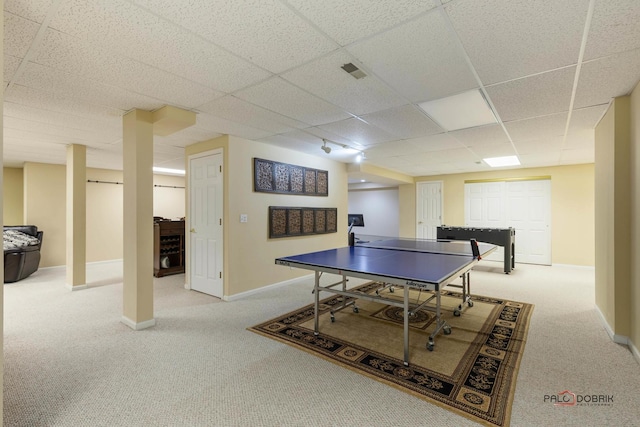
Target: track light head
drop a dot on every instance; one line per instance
(325, 148)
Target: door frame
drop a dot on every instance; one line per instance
(419, 199)
(188, 226)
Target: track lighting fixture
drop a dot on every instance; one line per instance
(324, 147)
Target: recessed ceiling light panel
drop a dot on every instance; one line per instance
(462, 111)
(498, 162)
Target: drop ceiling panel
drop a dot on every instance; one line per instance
(222, 126)
(539, 146)
(442, 156)
(33, 10)
(325, 79)
(614, 28)
(538, 127)
(36, 136)
(577, 156)
(293, 143)
(18, 35)
(534, 96)
(604, 79)
(238, 110)
(359, 19)
(266, 32)
(403, 122)
(11, 64)
(507, 39)
(419, 59)
(73, 56)
(494, 150)
(482, 135)
(587, 118)
(61, 83)
(393, 149)
(156, 42)
(359, 132)
(436, 142)
(284, 98)
(549, 158)
(584, 139)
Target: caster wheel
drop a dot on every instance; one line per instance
(333, 319)
(470, 303)
(446, 330)
(355, 309)
(430, 346)
(456, 313)
(391, 290)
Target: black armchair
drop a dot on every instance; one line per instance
(21, 262)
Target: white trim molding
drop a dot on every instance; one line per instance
(242, 295)
(138, 326)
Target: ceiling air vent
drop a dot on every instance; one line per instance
(353, 70)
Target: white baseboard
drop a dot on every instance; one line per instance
(75, 287)
(138, 326)
(618, 339)
(583, 267)
(264, 288)
(634, 351)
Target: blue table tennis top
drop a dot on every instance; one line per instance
(424, 267)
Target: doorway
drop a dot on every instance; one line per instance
(205, 223)
(428, 209)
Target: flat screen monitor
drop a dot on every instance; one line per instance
(356, 220)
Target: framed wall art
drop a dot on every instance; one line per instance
(287, 221)
(283, 178)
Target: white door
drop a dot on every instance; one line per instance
(428, 209)
(523, 205)
(205, 223)
(529, 212)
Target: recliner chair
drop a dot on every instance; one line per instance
(22, 262)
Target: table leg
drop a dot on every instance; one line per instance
(406, 325)
(316, 307)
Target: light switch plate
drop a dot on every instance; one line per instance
(244, 218)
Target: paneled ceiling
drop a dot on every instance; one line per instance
(270, 71)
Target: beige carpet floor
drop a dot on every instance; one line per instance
(69, 361)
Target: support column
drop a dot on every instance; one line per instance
(76, 216)
(138, 219)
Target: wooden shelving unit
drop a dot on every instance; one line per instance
(168, 248)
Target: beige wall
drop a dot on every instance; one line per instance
(572, 190)
(634, 317)
(249, 253)
(45, 195)
(12, 191)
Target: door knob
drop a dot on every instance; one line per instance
(193, 230)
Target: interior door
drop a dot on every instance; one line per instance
(205, 223)
(428, 209)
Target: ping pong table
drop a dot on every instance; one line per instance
(428, 265)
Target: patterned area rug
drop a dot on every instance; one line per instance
(471, 372)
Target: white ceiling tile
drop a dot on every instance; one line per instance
(419, 59)
(33, 10)
(76, 57)
(121, 27)
(587, 118)
(534, 96)
(322, 133)
(404, 122)
(358, 19)
(326, 79)
(393, 149)
(538, 127)
(358, 132)
(508, 39)
(577, 156)
(266, 32)
(436, 142)
(494, 150)
(11, 64)
(18, 35)
(282, 97)
(442, 156)
(61, 83)
(482, 135)
(606, 78)
(60, 103)
(539, 146)
(582, 139)
(540, 159)
(238, 110)
(292, 142)
(227, 127)
(614, 28)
